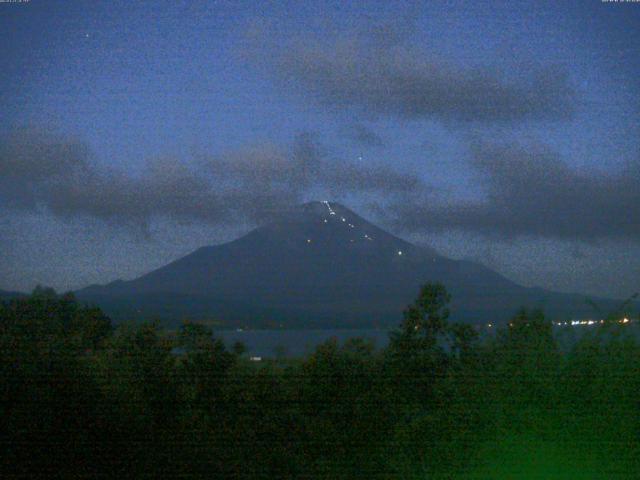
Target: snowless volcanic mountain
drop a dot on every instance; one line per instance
(318, 265)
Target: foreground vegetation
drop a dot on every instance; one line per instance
(81, 398)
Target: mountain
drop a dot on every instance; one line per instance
(317, 265)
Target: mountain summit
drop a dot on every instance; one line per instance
(315, 265)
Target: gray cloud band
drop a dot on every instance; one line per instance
(394, 79)
(39, 171)
(530, 191)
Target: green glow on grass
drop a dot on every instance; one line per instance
(525, 458)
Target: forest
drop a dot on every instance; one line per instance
(84, 398)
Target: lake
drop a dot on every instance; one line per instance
(295, 343)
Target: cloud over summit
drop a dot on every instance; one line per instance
(60, 175)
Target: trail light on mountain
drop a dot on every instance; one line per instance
(308, 240)
(399, 252)
(331, 212)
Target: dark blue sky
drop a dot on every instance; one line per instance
(506, 132)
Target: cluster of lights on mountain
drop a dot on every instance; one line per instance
(351, 225)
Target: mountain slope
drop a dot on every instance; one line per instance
(319, 264)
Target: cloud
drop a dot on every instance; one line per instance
(363, 135)
(530, 191)
(29, 158)
(167, 188)
(395, 79)
(60, 175)
(40, 170)
(282, 177)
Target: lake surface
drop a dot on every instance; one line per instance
(295, 343)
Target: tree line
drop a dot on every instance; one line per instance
(84, 398)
